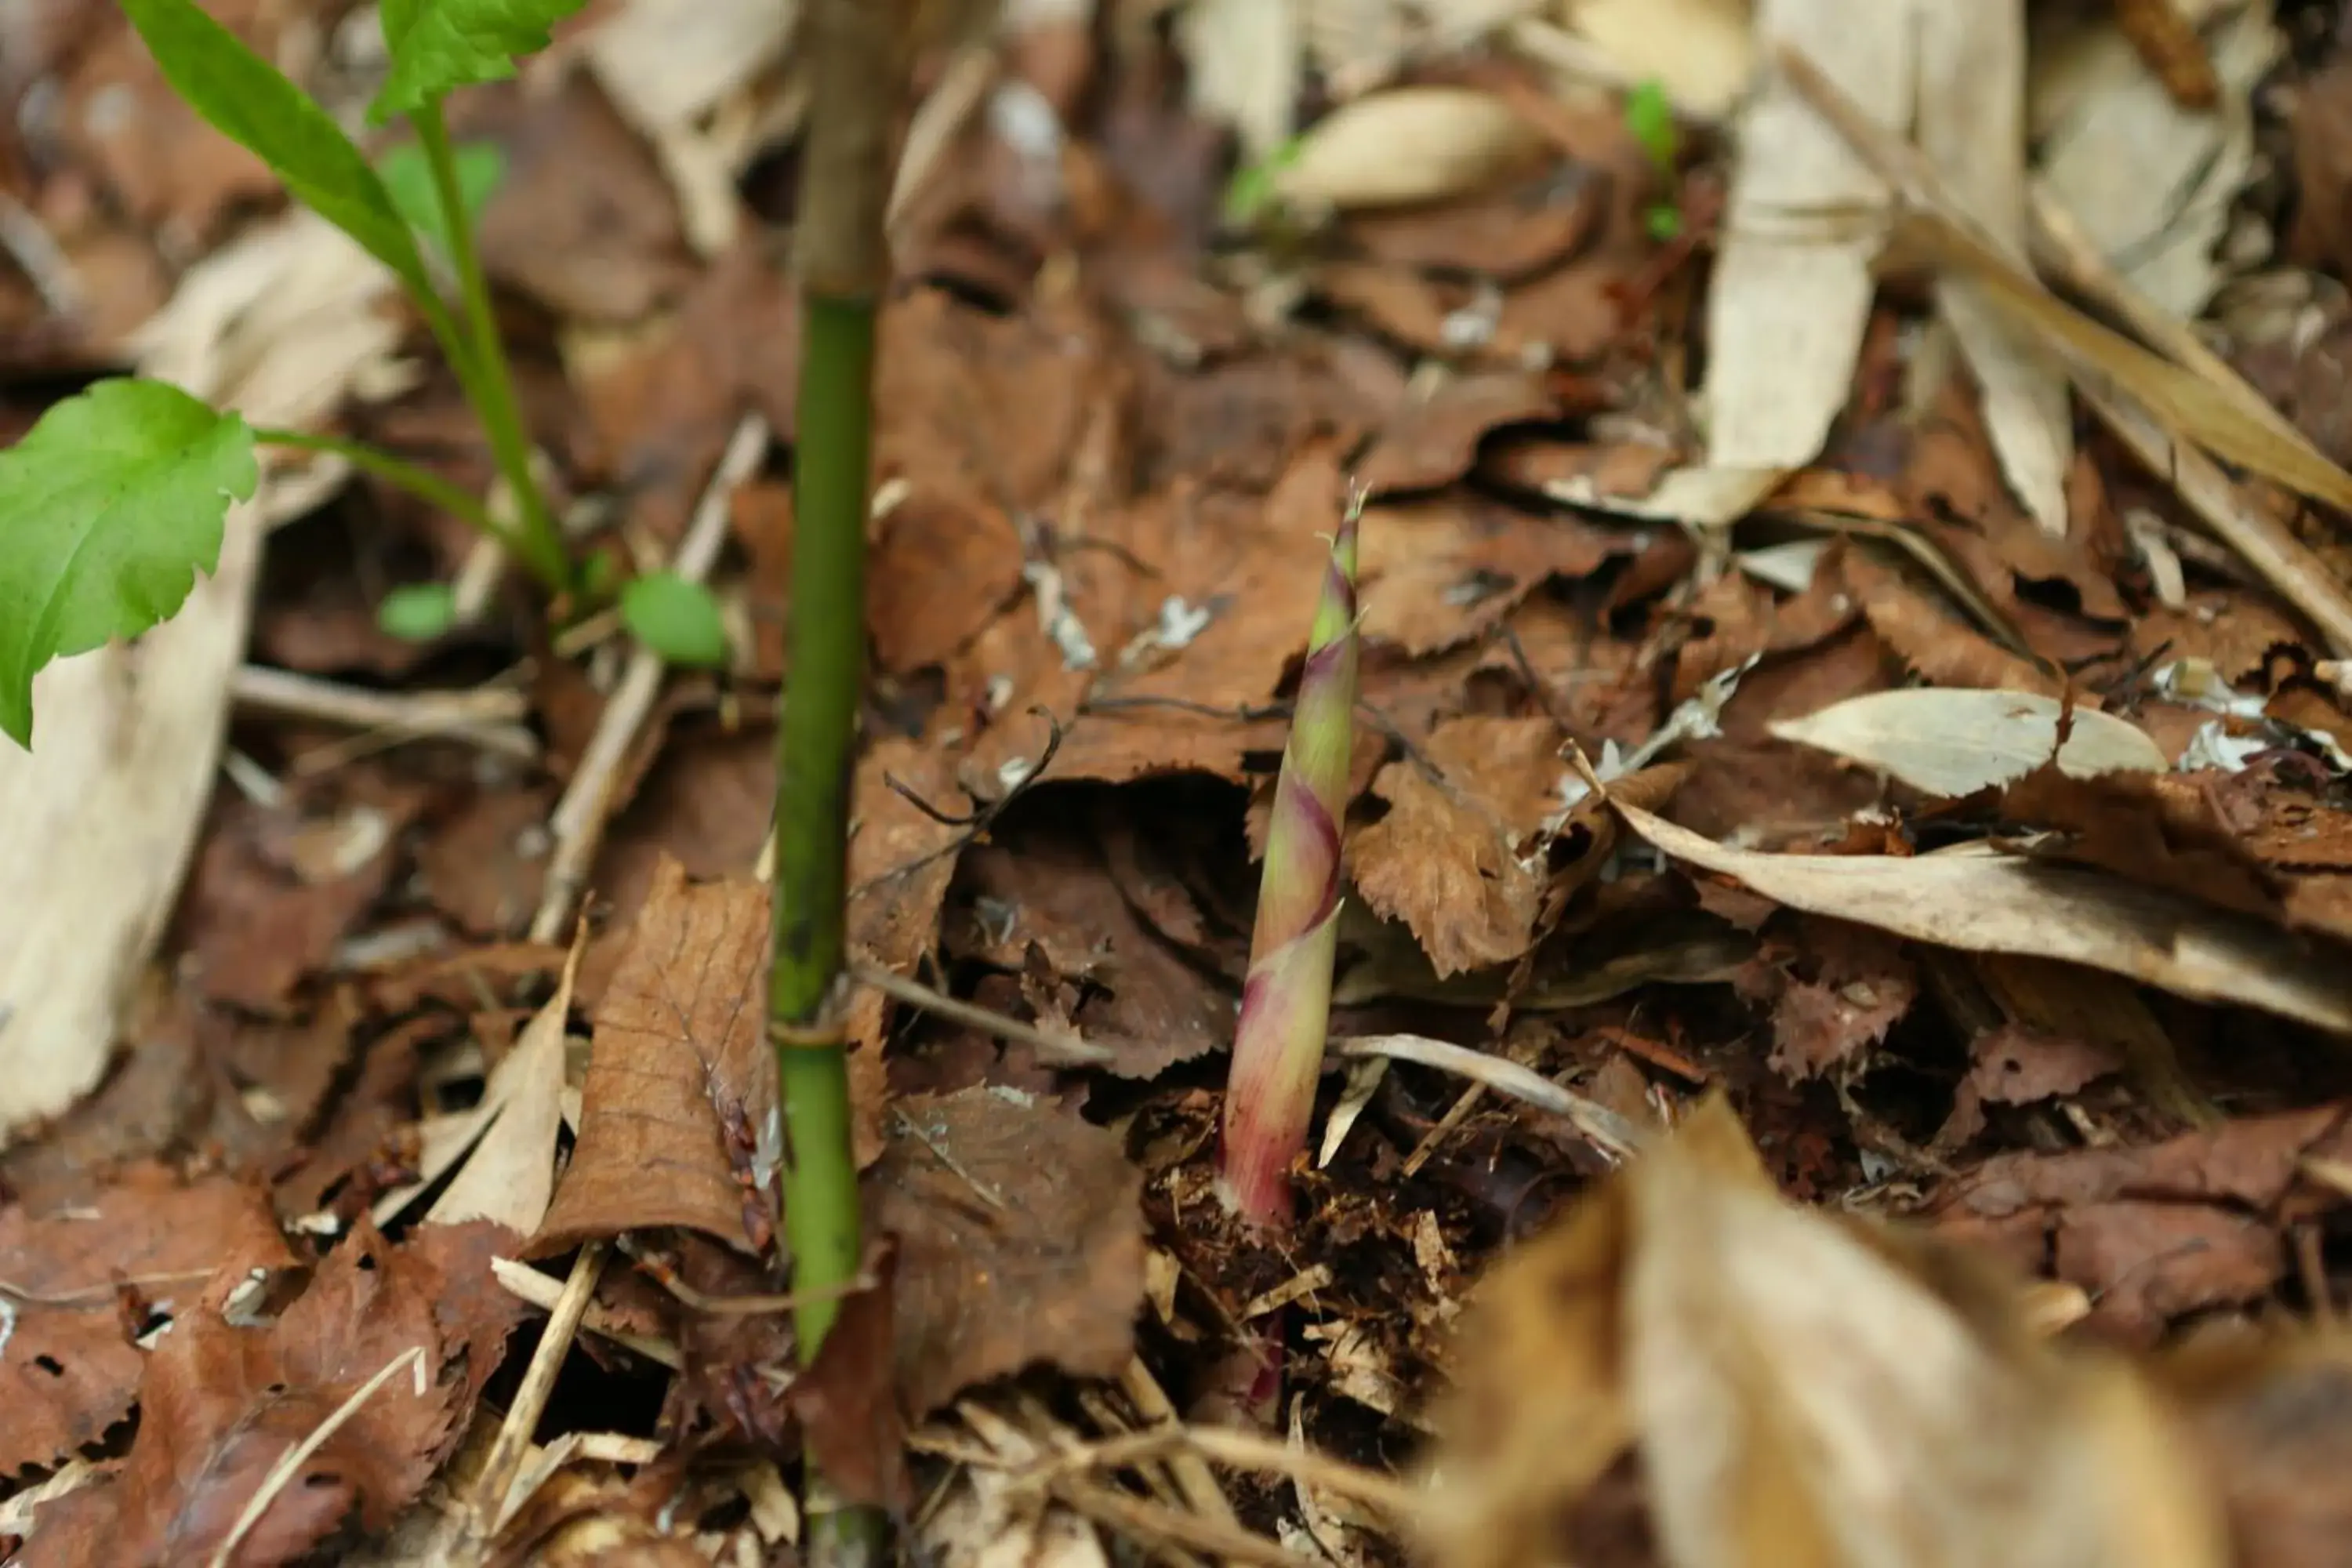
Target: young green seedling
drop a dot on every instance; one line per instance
(1287, 997)
(1650, 116)
(118, 498)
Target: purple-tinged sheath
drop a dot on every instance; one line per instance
(1286, 1000)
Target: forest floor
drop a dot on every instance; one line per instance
(1839, 1044)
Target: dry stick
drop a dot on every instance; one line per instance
(2291, 569)
(282, 1473)
(578, 823)
(1612, 1133)
(488, 717)
(1064, 1047)
(1154, 1524)
(1244, 1450)
(1193, 1477)
(528, 1284)
(486, 1513)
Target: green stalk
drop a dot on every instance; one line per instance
(857, 50)
(817, 752)
(428, 487)
(481, 365)
(1287, 997)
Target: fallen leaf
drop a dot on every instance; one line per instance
(942, 568)
(1446, 859)
(1437, 573)
(1052, 891)
(1798, 1389)
(1951, 743)
(2017, 1064)
(510, 1174)
(2151, 1232)
(1863, 986)
(1019, 1241)
(847, 1401)
(145, 1238)
(2272, 1422)
(679, 1123)
(221, 1405)
(1434, 441)
(1407, 144)
(1979, 901)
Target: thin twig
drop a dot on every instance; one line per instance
(487, 1513)
(1612, 1132)
(1153, 1524)
(914, 994)
(488, 717)
(1241, 1450)
(92, 1295)
(579, 819)
(1193, 1477)
(753, 1306)
(282, 1473)
(530, 1285)
(976, 822)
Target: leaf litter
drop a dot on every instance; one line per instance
(1856, 855)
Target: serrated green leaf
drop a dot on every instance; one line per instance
(109, 509)
(407, 174)
(248, 101)
(678, 620)
(439, 45)
(418, 612)
(1650, 116)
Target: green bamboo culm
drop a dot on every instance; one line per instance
(858, 52)
(817, 751)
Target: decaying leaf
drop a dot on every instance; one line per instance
(678, 1122)
(221, 1405)
(1020, 1240)
(1952, 743)
(1797, 1389)
(68, 1358)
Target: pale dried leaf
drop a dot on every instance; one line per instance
(2098, 108)
(1972, 122)
(1981, 901)
(510, 1174)
(1953, 743)
(1701, 51)
(97, 827)
(1408, 144)
(1243, 67)
(1792, 286)
(1800, 1395)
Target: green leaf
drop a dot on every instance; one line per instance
(1650, 116)
(109, 509)
(1663, 221)
(1250, 191)
(418, 612)
(438, 45)
(676, 619)
(407, 174)
(249, 101)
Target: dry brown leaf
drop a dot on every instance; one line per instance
(2152, 1232)
(221, 1404)
(1437, 573)
(680, 1101)
(2273, 1420)
(1446, 857)
(943, 566)
(1049, 891)
(1020, 1238)
(1862, 987)
(1433, 442)
(1981, 901)
(68, 1358)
